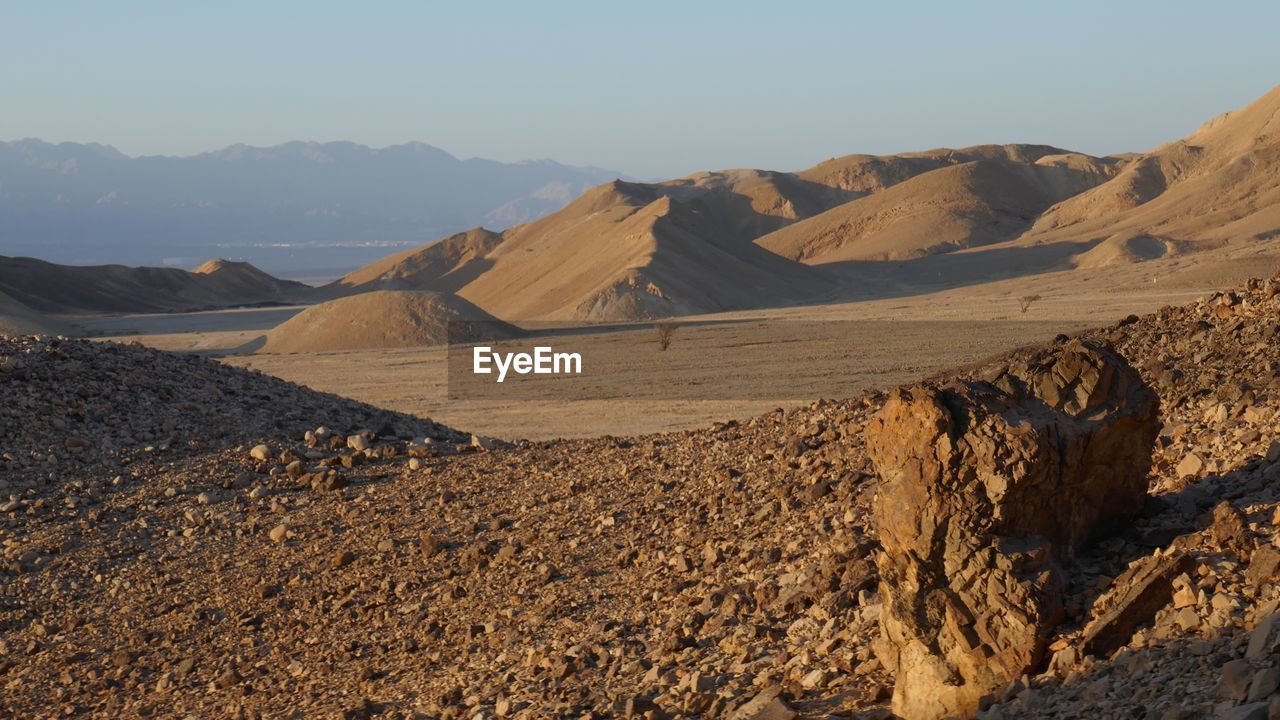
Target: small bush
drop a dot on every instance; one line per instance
(665, 331)
(1026, 301)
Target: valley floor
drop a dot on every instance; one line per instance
(723, 366)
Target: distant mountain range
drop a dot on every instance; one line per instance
(1198, 212)
(299, 207)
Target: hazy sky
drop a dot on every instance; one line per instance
(651, 88)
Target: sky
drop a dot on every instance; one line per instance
(653, 89)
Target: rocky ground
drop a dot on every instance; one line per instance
(185, 539)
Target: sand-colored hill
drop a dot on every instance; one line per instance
(740, 239)
(629, 251)
(51, 288)
(625, 251)
(443, 266)
(955, 206)
(384, 319)
(865, 174)
(1218, 186)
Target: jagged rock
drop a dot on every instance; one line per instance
(984, 484)
(1265, 682)
(1230, 530)
(1133, 600)
(1236, 678)
(1263, 639)
(1264, 565)
(767, 705)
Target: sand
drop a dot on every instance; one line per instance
(853, 346)
(379, 320)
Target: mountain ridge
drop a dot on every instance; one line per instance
(300, 206)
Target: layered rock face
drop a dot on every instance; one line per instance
(985, 485)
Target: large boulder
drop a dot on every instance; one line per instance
(985, 486)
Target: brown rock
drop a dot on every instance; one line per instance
(1264, 566)
(1265, 682)
(1134, 598)
(983, 485)
(766, 705)
(1237, 675)
(1190, 466)
(1263, 639)
(1230, 530)
(640, 706)
(228, 679)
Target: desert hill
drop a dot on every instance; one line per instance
(866, 174)
(627, 251)
(218, 542)
(640, 250)
(973, 203)
(444, 266)
(51, 288)
(1219, 183)
(1214, 194)
(1204, 207)
(384, 319)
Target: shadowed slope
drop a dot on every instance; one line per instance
(52, 288)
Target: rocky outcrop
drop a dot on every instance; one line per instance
(985, 486)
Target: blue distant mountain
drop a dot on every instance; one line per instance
(300, 207)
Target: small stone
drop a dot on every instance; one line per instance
(1264, 566)
(431, 545)
(342, 559)
(1252, 711)
(1237, 675)
(766, 705)
(279, 532)
(1187, 619)
(1265, 683)
(1184, 595)
(815, 679)
(1190, 466)
(228, 679)
(358, 442)
(260, 452)
(639, 706)
(1262, 640)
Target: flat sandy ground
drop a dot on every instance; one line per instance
(719, 367)
(214, 331)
